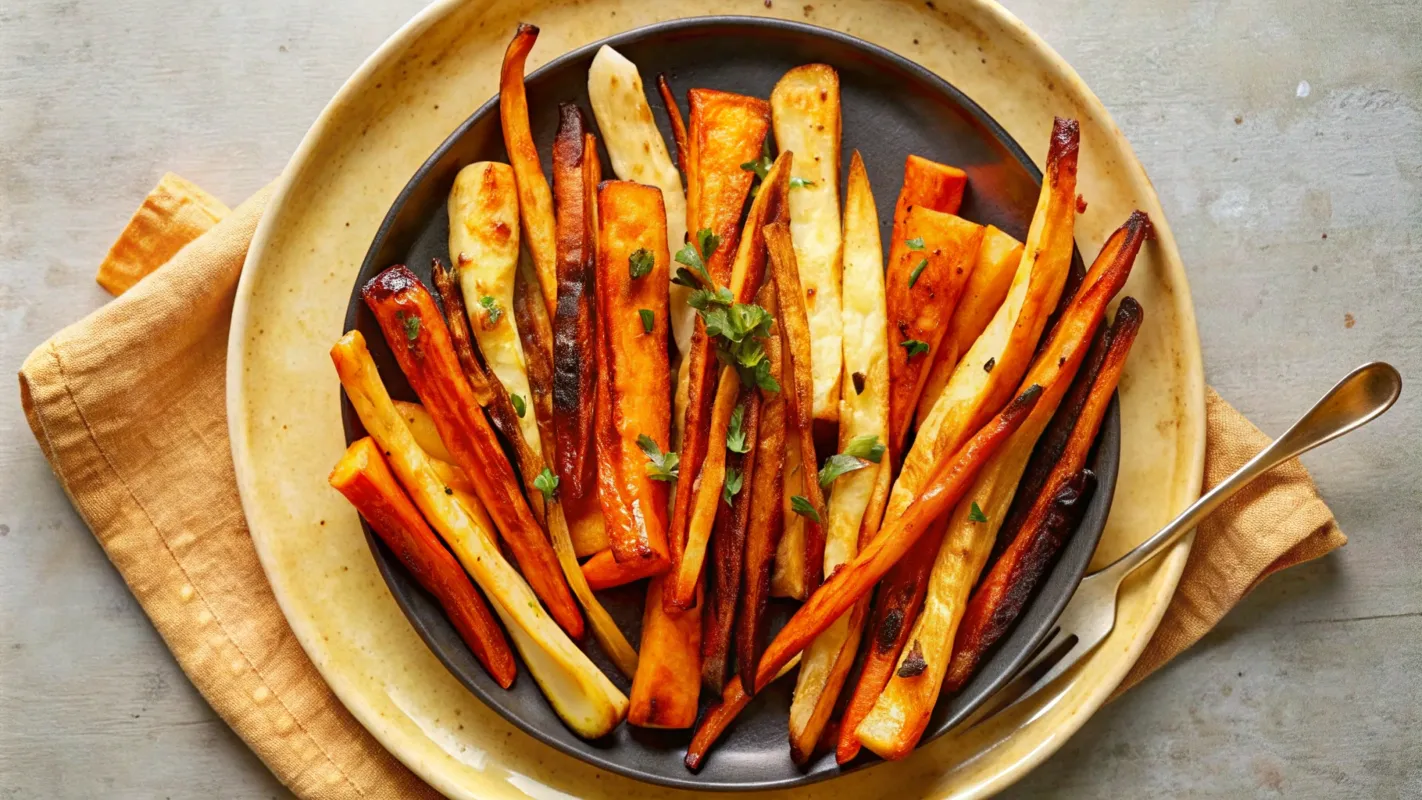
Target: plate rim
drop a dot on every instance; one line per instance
(1190, 461)
(694, 25)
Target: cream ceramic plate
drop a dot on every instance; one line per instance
(283, 394)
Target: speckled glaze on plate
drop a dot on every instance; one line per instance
(282, 391)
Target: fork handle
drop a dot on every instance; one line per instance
(1359, 398)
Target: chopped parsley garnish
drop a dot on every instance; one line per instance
(519, 405)
(866, 447)
(547, 483)
(731, 486)
(492, 310)
(914, 347)
(975, 514)
(736, 433)
(915, 244)
(411, 325)
(640, 263)
(837, 465)
(802, 507)
(796, 183)
(917, 271)
(761, 165)
(737, 330)
(660, 466)
(649, 318)
(696, 255)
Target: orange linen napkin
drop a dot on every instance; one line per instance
(134, 426)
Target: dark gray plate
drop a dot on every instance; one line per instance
(891, 108)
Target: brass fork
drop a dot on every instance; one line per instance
(1090, 616)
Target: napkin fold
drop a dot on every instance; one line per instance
(129, 408)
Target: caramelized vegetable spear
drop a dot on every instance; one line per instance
(851, 583)
(795, 336)
(667, 687)
(420, 340)
(631, 282)
(363, 476)
(729, 539)
(901, 713)
(983, 380)
(576, 174)
(535, 199)
(1055, 508)
(578, 691)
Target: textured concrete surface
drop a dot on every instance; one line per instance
(1283, 136)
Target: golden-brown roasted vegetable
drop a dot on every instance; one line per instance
(576, 174)
(632, 381)
(365, 479)
(899, 717)
(702, 466)
(987, 287)
(852, 582)
(578, 691)
(863, 417)
(923, 288)
(535, 199)
(420, 341)
(729, 542)
(767, 490)
(667, 687)
(484, 245)
(719, 716)
(420, 424)
(795, 338)
(805, 110)
(1053, 510)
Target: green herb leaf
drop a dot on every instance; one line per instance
(796, 183)
(736, 433)
(914, 347)
(411, 325)
(547, 483)
(702, 299)
(708, 242)
(640, 263)
(763, 379)
(802, 507)
(649, 318)
(761, 165)
(975, 514)
(519, 405)
(661, 466)
(915, 244)
(685, 277)
(837, 465)
(866, 447)
(492, 311)
(917, 271)
(732, 484)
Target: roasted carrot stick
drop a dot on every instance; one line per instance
(575, 179)
(720, 715)
(702, 453)
(535, 199)
(678, 125)
(795, 337)
(1051, 517)
(767, 517)
(488, 390)
(667, 688)
(365, 479)
(728, 542)
(420, 340)
(632, 266)
(923, 287)
(604, 571)
(849, 584)
(726, 131)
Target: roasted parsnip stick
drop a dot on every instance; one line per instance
(805, 110)
(418, 419)
(363, 476)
